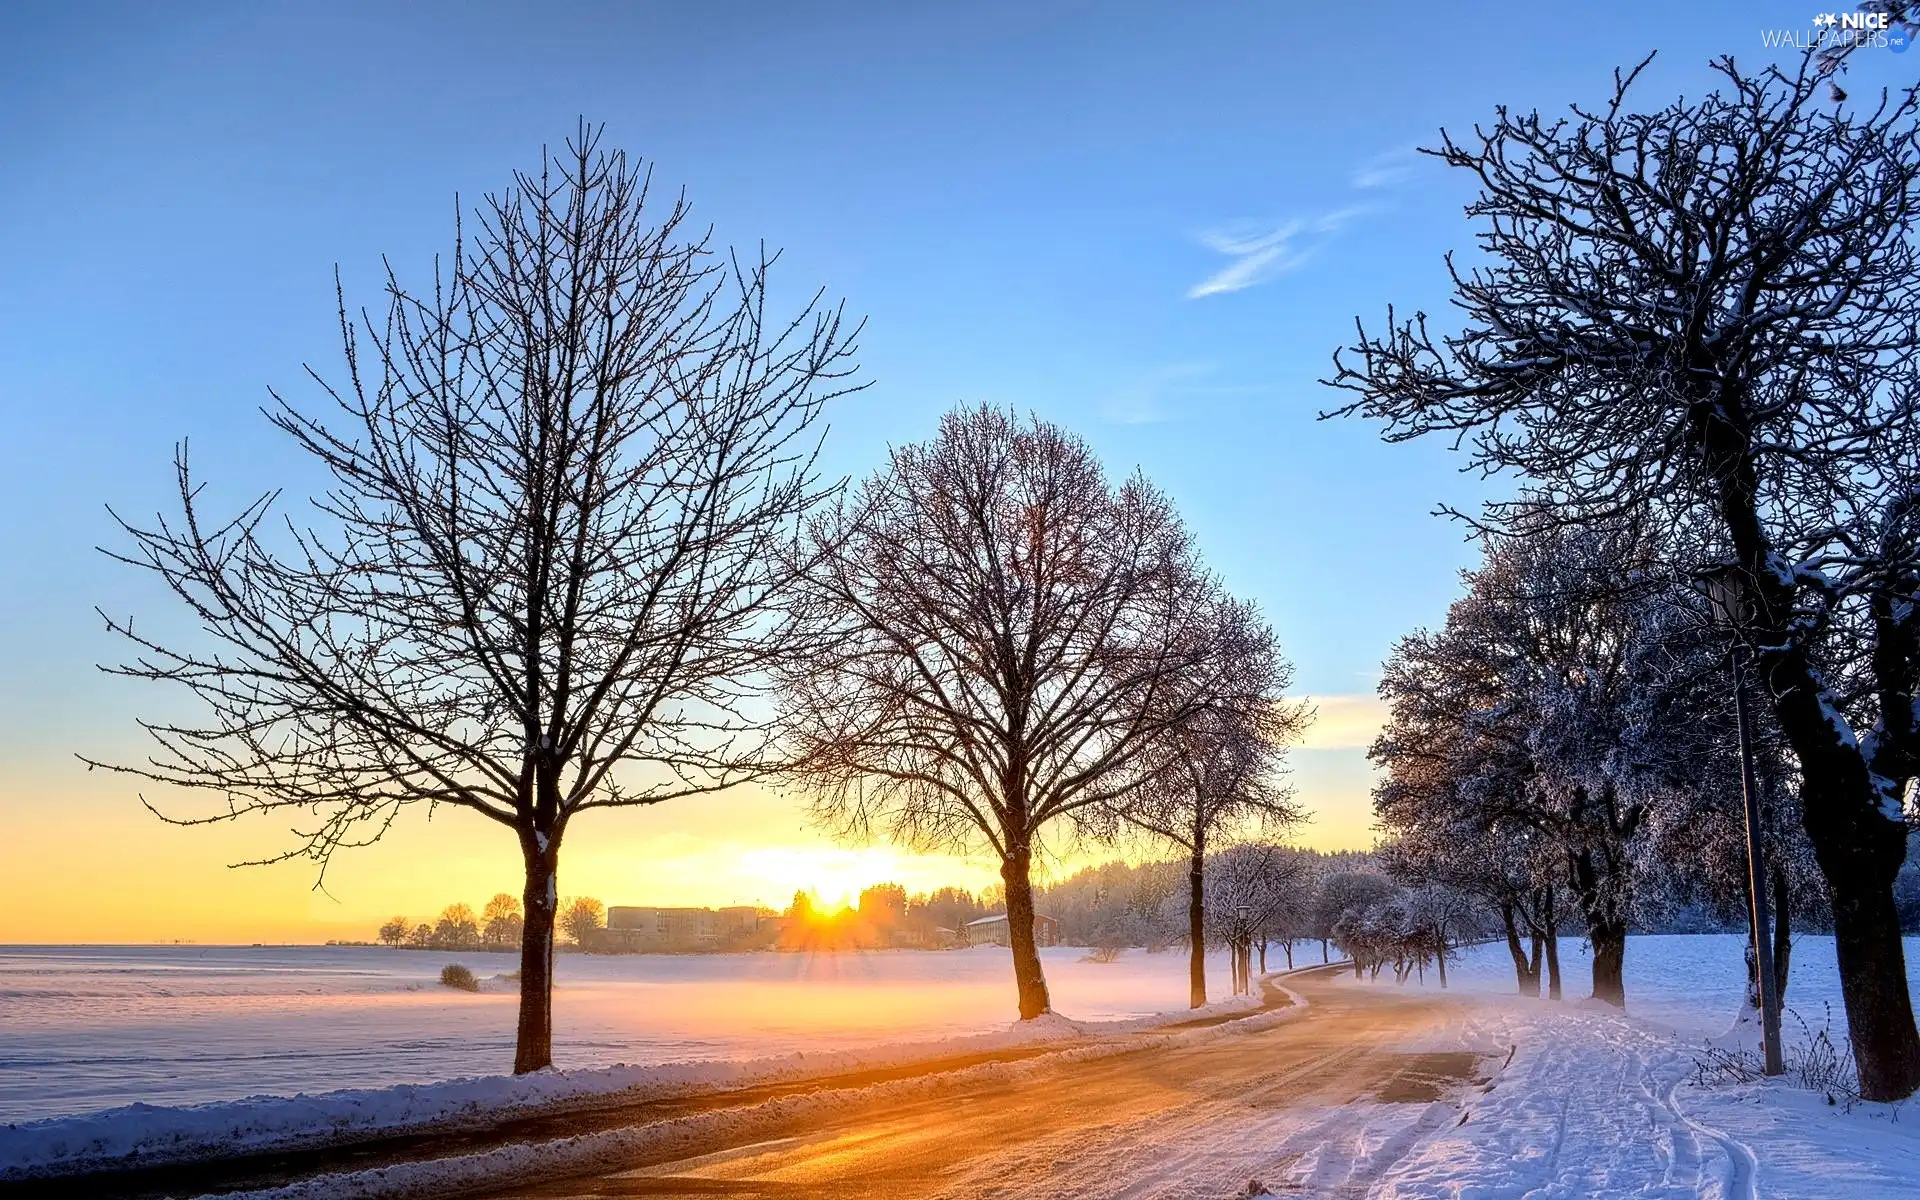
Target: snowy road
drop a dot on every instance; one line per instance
(1327, 1106)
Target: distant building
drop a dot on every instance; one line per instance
(1046, 931)
(631, 928)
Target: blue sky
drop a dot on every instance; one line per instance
(1150, 224)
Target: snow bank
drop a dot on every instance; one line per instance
(149, 1135)
(1583, 1102)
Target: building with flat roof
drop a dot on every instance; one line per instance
(1046, 931)
(642, 928)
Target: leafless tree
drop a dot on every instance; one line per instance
(1219, 770)
(998, 637)
(581, 918)
(1707, 313)
(564, 480)
(501, 922)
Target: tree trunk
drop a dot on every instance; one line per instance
(1605, 929)
(1197, 927)
(1289, 946)
(1323, 952)
(1553, 944)
(1873, 982)
(1857, 843)
(1263, 956)
(1440, 961)
(1528, 980)
(533, 1039)
(1028, 977)
(1609, 940)
(1782, 929)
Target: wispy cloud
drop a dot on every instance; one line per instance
(1388, 169)
(1260, 253)
(1257, 257)
(1263, 251)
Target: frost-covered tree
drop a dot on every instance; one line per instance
(1248, 886)
(1706, 314)
(998, 638)
(1548, 715)
(1465, 872)
(1341, 904)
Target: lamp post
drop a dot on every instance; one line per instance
(1242, 969)
(1727, 596)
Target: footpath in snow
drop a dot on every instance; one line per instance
(1582, 1101)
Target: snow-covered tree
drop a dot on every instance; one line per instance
(1248, 885)
(1546, 719)
(1706, 314)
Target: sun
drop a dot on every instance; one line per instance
(834, 876)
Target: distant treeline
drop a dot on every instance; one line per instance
(497, 927)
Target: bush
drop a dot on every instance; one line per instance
(1813, 1063)
(454, 975)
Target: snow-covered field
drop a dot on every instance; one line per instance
(1583, 1102)
(85, 1028)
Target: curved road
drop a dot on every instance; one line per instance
(1216, 1118)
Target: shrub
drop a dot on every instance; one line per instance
(454, 975)
(1813, 1063)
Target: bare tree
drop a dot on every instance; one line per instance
(1707, 313)
(1220, 768)
(457, 928)
(999, 637)
(563, 481)
(394, 932)
(581, 918)
(501, 922)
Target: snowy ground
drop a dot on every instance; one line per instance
(86, 1028)
(1579, 1101)
(1595, 1104)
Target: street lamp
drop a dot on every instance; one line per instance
(1242, 970)
(1728, 598)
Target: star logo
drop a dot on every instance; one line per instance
(1825, 19)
